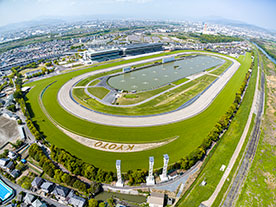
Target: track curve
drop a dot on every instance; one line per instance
(197, 107)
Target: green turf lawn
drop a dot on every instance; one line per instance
(99, 92)
(191, 132)
(131, 96)
(178, 82)
(140, 96)
(85, 81)
(166, 102)
(222, 153)
(221, 69)
(95, 82)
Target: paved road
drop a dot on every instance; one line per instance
(125, 121)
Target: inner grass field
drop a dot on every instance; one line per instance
(99, 92)
(191, 132)
(168, 101)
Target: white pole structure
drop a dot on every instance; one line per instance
(150, 178)
(164, 176)
(119, 182)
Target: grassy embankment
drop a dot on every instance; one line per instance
(260, 185)
(222, 154)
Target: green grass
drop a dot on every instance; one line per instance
(221, 69)
(79, 92)
(178, 82)
(221, 194)
(99, 92)
(130, 96)
(222, 153)
(141, 96)
(131, 198)
(85, 81)
(191, 132)
(95, 82)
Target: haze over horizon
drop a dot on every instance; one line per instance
(259, 13)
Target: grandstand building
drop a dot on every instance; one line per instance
(137, 49)
(102, 55)
(114, 53)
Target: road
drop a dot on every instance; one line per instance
(250, 152)
(203, 102)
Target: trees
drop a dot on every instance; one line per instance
(78, 167)
(12, 108)
(92, 202)
(111, 202)
(102, 204)
(48, 64)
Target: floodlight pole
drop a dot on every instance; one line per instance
(164, 176)
(150, 178)
(119, 182)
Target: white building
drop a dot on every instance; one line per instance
(156, 199)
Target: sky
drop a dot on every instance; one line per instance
(257, 12)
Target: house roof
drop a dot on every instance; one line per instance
(156, 198)
(61, 191)
(29, 198)
(76, 201)
(15, 173)
(37, 203)
(37, 182)
(4, 161)
(10, 165)
(46, 185)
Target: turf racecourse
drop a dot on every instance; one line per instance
(191, 132)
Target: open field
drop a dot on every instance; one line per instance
(166, 102)
(191, 132)
(221, 154)
(99, 92)
(141, 96)
(222, 68)
(95, 82)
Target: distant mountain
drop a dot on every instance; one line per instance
(224, 21)
(29, 24)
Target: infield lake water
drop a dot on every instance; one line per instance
(159, 75)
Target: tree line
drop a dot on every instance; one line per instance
(53, 171)
(206, 38)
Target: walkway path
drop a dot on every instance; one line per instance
(197, 107)
(236, 153)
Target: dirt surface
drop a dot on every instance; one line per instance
(8, 131)
(114, 147)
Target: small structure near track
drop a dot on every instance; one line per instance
(164, 176)
(150, 178)
(119, 182)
